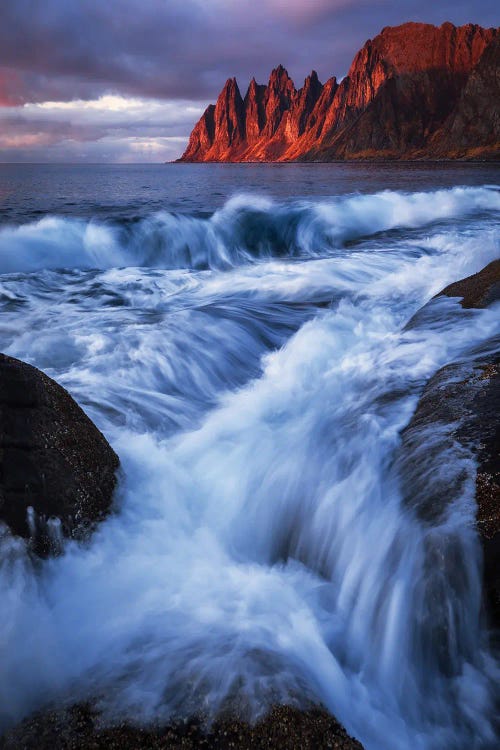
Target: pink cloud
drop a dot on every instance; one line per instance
(10, 88)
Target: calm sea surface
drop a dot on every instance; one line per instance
(28, 191)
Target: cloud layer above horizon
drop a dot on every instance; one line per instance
(125, 80)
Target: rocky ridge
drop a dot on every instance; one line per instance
(414, 91)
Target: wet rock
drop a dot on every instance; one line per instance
(57, 471)
(459, 413)
(479, 290)
(78, 728)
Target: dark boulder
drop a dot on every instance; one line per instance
(57, 471)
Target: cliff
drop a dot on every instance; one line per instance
(415, 91)
(473, 126)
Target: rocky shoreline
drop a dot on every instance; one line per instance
(464, 401)
(55, 461)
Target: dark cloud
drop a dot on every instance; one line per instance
(175, 51)
(62, 49)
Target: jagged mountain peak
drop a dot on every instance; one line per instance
(401, 88)
(279, 72)
(230, 88)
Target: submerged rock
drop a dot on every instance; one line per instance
(284, 727)
(57, 471)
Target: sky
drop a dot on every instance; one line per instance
(126, 80)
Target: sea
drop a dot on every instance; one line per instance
(239, 334)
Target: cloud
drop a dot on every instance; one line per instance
(64, 49)
(122, 128)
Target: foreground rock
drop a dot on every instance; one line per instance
(460, 406)
(57, 471)
(284, 729)
(479, 290)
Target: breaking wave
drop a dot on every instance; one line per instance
(245, 229)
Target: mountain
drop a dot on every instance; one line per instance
(415, 91)
(473, 127)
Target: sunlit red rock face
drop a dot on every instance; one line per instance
(415, 91)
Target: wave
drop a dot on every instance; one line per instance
(262, 550)
(246, 229)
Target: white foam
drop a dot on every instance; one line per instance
(246, 228)
(262, 551)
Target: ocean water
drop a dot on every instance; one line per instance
(238, 332)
